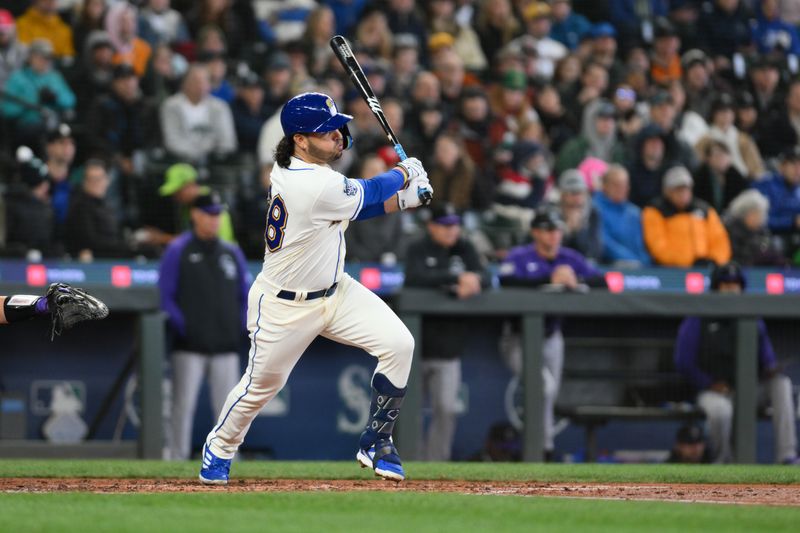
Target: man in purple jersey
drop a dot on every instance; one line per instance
(546, 264)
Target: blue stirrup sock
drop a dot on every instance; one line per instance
(384, 409)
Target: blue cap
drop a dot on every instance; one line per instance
(602, 29)
(312, 113)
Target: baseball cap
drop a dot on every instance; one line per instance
(41, 47)
(176, 177)
(690, 434)
(693, 57)
(63, 131)
(602, 29)
(6, 19)
(723, 101)
(790, 154)
(279, 61)
(445, 215)
(515, 80)
(605, 109)
(121, 71)
(209, 202)
(33, 172)
(664, 28)
(439, 40)
(661, 97)
(728, 272)
(537, 10)
(97, 39)
(677, 177)
(249, 79)
(745, 100)
(547, 219)
(405, 40)
(571, 180)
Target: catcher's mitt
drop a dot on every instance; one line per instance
(69, 305)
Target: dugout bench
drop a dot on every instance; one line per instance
(531, 306)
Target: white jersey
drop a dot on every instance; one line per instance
(310, 208)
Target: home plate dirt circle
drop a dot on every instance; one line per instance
(786, 495)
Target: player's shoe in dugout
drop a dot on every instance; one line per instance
(215, 471)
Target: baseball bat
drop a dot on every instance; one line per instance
(341, 48)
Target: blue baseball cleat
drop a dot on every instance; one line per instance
(215, 471)
(387, 465)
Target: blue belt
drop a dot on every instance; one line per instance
(322, 293)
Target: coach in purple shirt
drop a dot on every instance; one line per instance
(546, 263)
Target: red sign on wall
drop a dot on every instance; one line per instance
(121, 276)
(695, 283)
(774, 283)
(36, 275)
(615, 281)
(371, 278)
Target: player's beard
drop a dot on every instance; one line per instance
(325, 155)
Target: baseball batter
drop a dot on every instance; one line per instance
(302, 290)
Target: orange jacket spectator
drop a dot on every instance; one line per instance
(680, 230)
(137, 56)
(41, 21)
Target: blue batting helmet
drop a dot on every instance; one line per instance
(314, 113)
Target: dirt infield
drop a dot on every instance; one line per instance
(787, 495)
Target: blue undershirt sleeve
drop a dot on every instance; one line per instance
(371, 211)
(380, 188)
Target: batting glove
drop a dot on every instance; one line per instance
(412, 167)
(411, 196)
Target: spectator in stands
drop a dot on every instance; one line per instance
(747, 116)
(724, 29)
(592, 85)
(771, 34)
(217, 65)
(510, 107)
(164, 78)
(442, 18)
(603, 50)
(765, 78)
(744, 154)
(320, 27)
(91, 228)
(782, 189)
(538, 17)
(194, 124)
(705, 352)
(472, 123)
(783, 131)
(221, 15)
(380, 239)
(752, 243)
(172, 214)
(582, 223)
(700, 93)
(277, 79)
(648, 165)
(12, 52)
(41, 21)
(35, 91)
(521, 184)
(121, 25)
(93, 73)
(635, 19)
(453, 173)
(249, 113)
(664, 114)
(444, 260)
(546, 262)
(717, 181)
(598, 138)
(569, 27)
(683, 231)
(689, 126)
(29, 217)
(496, 26)
(375, 38)
(690, 446)
(60, 152)
(405, 64)
(160, 24)
(449, 68)
(621, 221)
(198, 268)
(404, 16)
(90, 18)
(558, 122)
(665, 61)
(426, 123)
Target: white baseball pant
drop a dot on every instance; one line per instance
(281, 330)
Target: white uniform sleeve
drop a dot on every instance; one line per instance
(341, 199)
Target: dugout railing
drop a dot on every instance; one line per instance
(531, 306)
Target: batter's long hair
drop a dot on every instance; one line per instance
(284, 151)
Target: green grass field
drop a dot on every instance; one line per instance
(385, 511)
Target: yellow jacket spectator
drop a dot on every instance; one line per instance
(682, 231)
(41, 21)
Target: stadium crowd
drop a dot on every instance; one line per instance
(663, 132)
